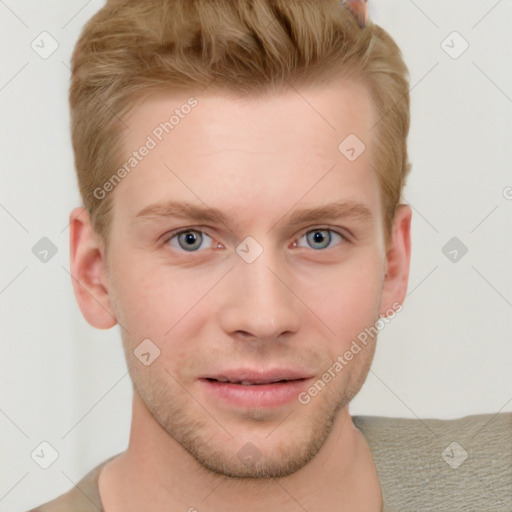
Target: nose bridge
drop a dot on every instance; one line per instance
(259, 302)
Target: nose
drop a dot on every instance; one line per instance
(259, 301)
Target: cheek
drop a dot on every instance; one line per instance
(347, 300)
(153, 299)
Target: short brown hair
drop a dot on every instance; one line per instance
(133, 48)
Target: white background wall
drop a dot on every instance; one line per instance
(446, 355)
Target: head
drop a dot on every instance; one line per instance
(260, 116)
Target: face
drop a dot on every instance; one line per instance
(246, 246)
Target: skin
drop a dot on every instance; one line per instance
(360, 10)
(296, 305)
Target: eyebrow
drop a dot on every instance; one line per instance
(333, 211)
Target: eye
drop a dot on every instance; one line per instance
(320, 238)
(189, 240)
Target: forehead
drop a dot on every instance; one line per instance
(217, 148)
(317, 116)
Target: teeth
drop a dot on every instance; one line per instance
(246, 382)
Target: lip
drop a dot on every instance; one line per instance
(267, 389)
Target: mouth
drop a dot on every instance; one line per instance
(245, 388)
(258, 377)
(259, 382)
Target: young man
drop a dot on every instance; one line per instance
(241, 164)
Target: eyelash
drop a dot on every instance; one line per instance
(169, 236)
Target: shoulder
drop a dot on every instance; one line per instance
(83, 497)
(442, 464)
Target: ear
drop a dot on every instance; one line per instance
(398, 257)
(88, 271)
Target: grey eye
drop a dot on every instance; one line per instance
(320, 238)
(189, 240)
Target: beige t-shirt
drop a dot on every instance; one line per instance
(423, 465)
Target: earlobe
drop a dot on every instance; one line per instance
(88, 271)
(398, 258)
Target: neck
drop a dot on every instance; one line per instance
(156, 473)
